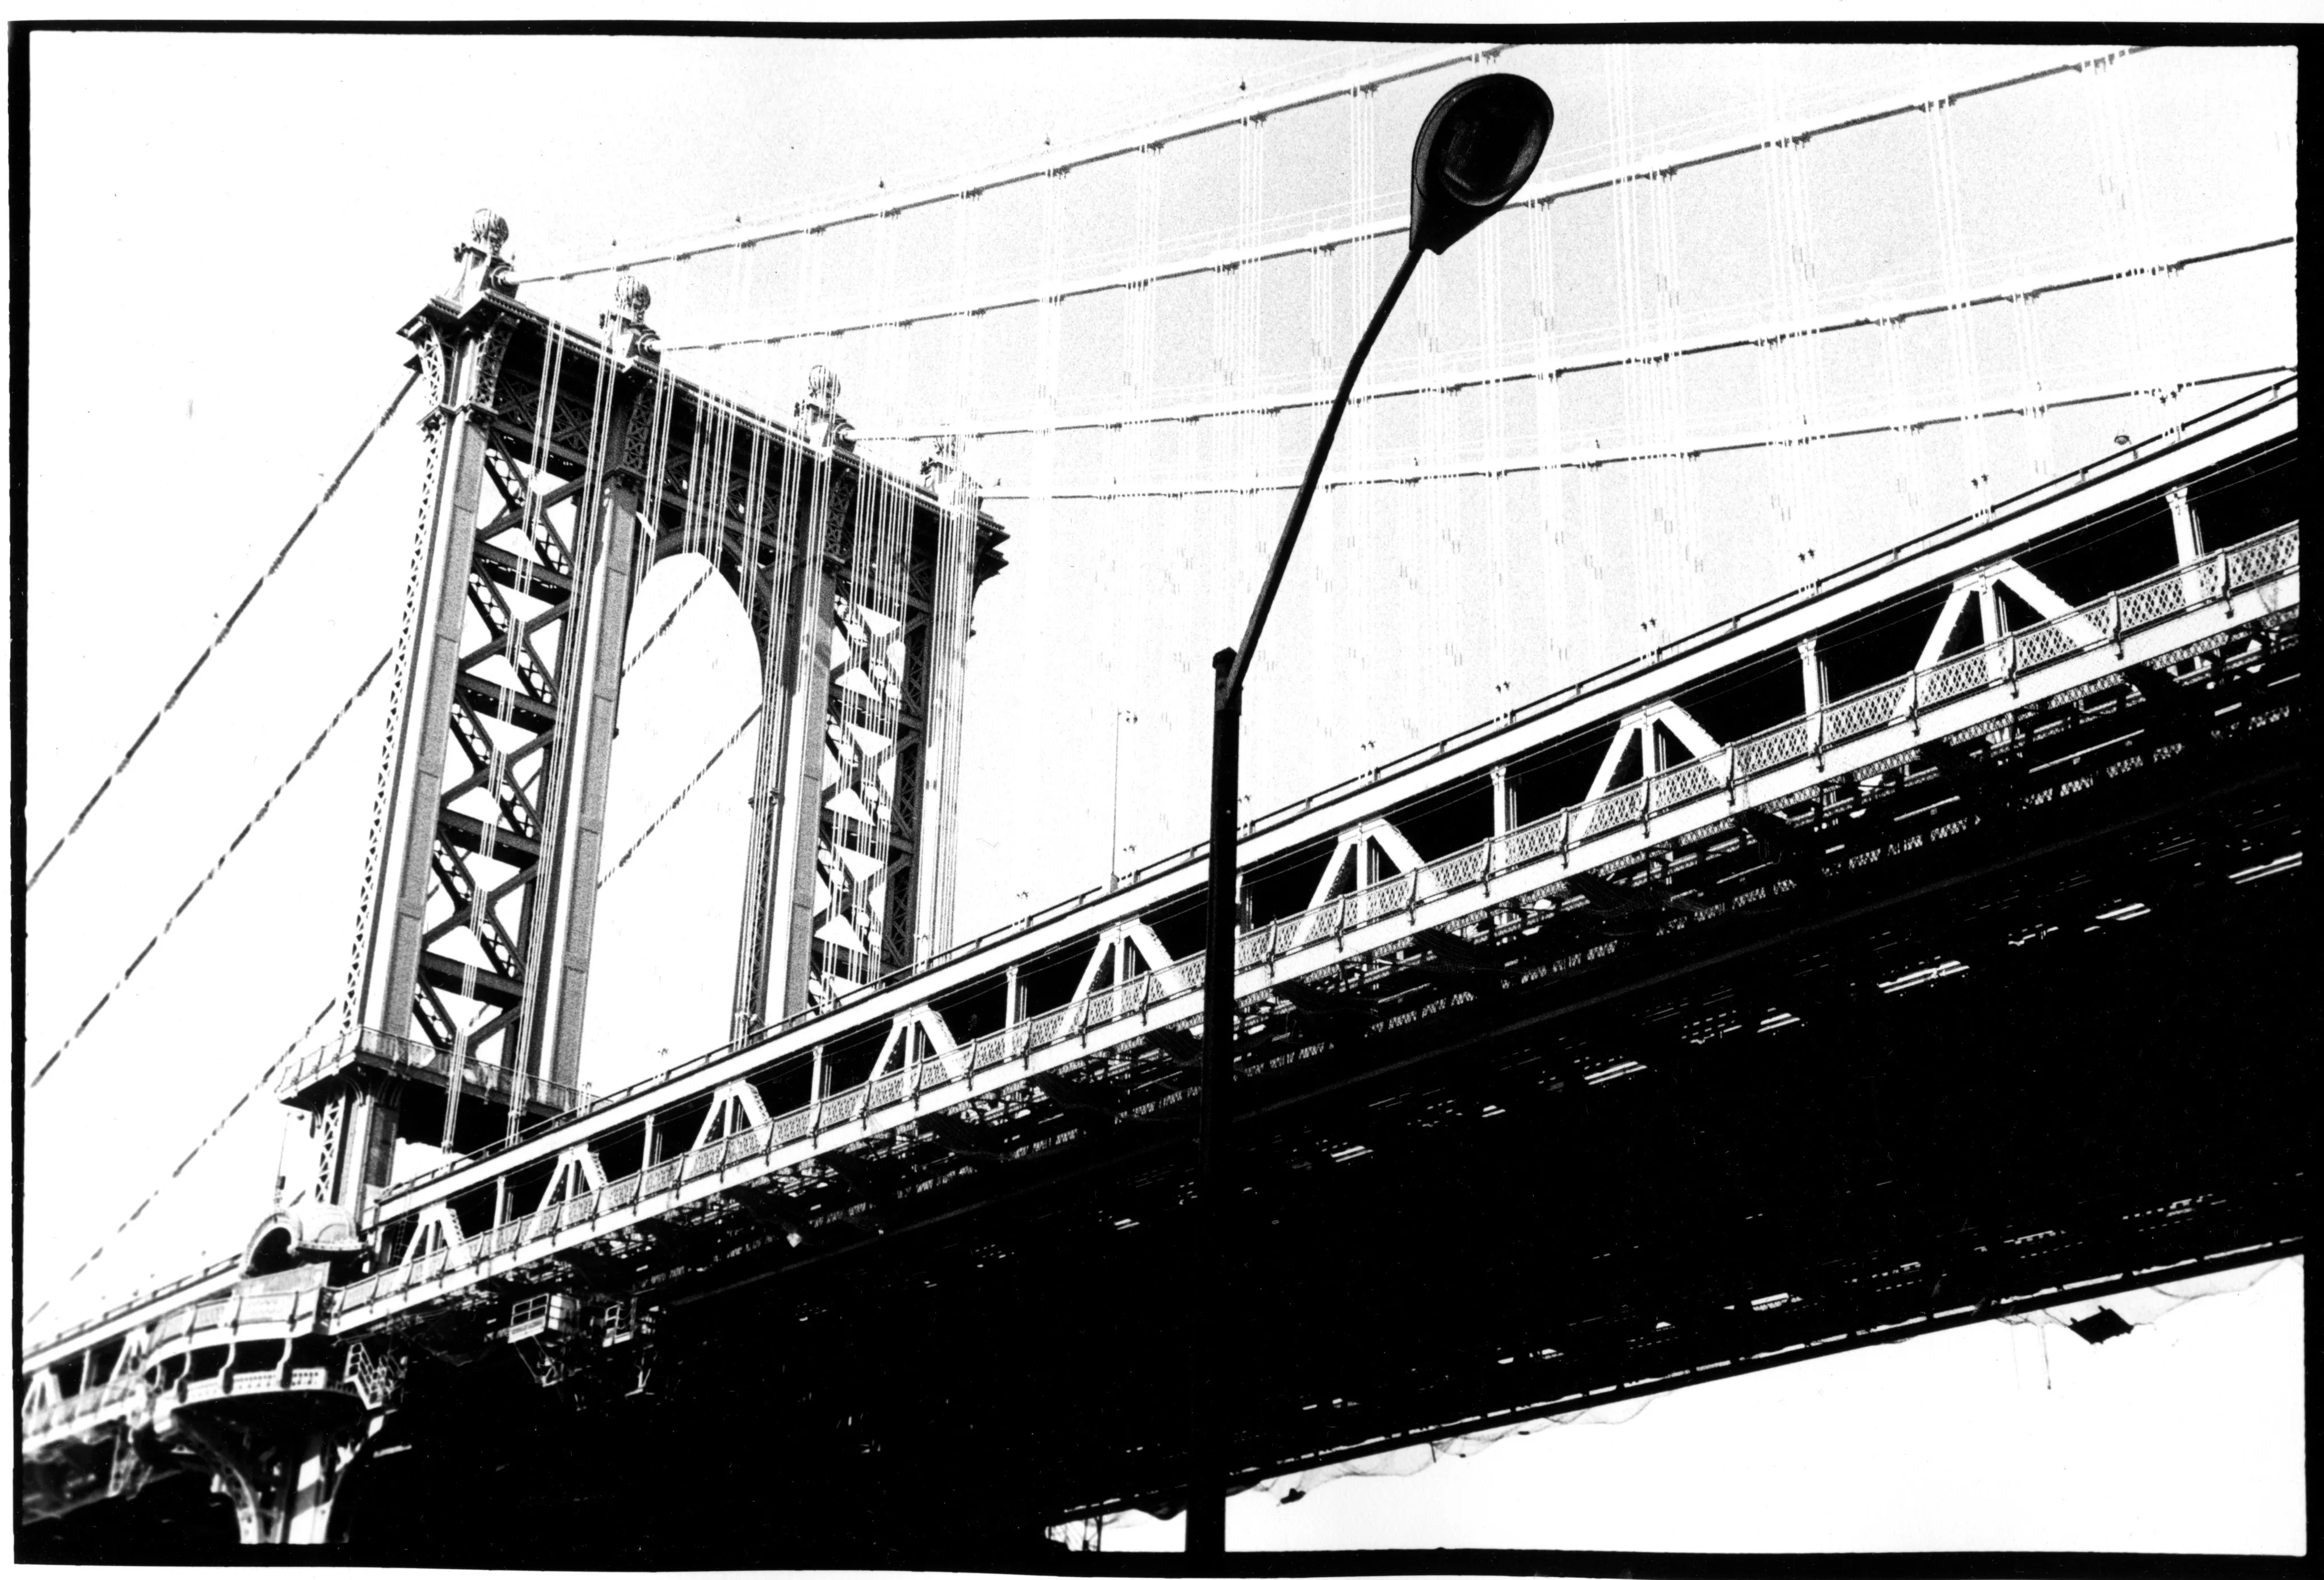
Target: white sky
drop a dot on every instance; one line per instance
(227, 233)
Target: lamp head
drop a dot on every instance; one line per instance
(1477, 147)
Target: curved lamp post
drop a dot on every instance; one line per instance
(1477, 147)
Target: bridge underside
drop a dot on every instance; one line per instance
(1900, 1081)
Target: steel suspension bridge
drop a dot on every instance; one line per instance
(1869, 638)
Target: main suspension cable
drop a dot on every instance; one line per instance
(154, 1195)
(264, 807)
(215, 642)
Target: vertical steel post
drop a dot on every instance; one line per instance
(603, 620)
(787, 932)
(379, 996)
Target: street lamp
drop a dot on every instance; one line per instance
(1474, 151)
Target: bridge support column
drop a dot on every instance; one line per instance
(2186, 531)
(581, 820)
(787, 812)
(951, 588)
(283, 1486)
(772, 966)
(360, 1156)
(786, 799)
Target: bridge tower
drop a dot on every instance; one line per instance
(561, 465)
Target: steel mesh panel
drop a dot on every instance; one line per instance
(2263, 556)
(1955, 677)
(1532, 841)
(2155, 601)
(1459, 869)
(1688, 781)
(2045, 643)
(1865, 711)
(1782, 745)
(1609, 811)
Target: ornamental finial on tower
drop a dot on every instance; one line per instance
(625, 326)
(818, 414)
(942, 470)
(482, 267)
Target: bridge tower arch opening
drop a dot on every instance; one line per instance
(671, 882)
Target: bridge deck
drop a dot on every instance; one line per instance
(910, 1122)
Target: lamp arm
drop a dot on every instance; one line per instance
(1231, 680)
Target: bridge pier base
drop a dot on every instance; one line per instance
(282, 1483)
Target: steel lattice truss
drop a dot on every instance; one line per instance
(486, 863)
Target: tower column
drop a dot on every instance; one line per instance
(786, 815)
(389, 966)
(462, 370)
(610, 558)
(793, 668)
(952, 591)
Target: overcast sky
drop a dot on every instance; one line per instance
(227, 232)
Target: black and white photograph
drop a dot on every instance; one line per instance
(1326, 792)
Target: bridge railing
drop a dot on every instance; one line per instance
(2105, 620)
(368, 1045)
(84, 1411)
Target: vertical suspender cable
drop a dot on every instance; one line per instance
(1501, 579)
(1373, 639)
(1636, 395)
(1561, 610)
(1944, 172)
(1251, 423)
